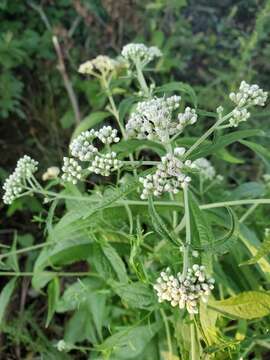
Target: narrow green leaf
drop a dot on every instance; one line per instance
(53, 297)
(125, 106)
(5, 297)
(260, 150)
(90, 121)
(262, 251)
(247, 305)
(116, 262)
(159, 225)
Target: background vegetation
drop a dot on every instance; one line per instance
(208, 44)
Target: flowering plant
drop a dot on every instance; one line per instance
(154, 210)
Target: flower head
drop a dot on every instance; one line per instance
(207, 171)
(152, 119)
(82, 148)
(72, 171)
(105, 164)
(63, 346)
(51, 173)
(170, 176)
(140, 53)
(187, 292)
(249, 95)
(101, 65)
(17, 182)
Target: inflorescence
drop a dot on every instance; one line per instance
(187, 292)
(170, 175)
(20, 180)
(101, 66)
(246, 96)
(206, 169)
(84, 149)
(153, 119)
(140, 54)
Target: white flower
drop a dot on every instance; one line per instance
(101, 65)
(72, 171)
(140, 53)
(107, 135)
(185, 292)
(152, 119)
(105, 164)
(170, 175)
(238, 115)
(82, 148)
(51, 173)
(249, 95)
(20, 179)
(207, 171)
(189, 117)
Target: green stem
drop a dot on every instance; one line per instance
(188, 234)
(193, 340)
(55, 273)
(248, 212)
(168, 334)
(26, 249)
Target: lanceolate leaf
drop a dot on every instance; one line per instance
(247, 305)
(53, 297)
(5, 297)
(159, 225)
(262, 251)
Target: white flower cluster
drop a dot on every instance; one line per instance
(249, 95)
(189, 117)
(152, 119)
(82, 148)
(101, 65)
(207, 171)
(186, 293)
(238, 115)
(51, 173)
(105, 164)
(63, 346)
(107, 135)
(72, 171)
(170, 175)
(140, 53)
(16, 183)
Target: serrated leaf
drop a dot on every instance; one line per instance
(247, 305)
(135, 295)
(159, 225)
(116, 262)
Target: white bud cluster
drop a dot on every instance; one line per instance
(51, 173)
(82, 148)
(107, 135)
(63, 346)
(189, 117)
(72, 171)
(170, 175)
(133, 53)
(238, 115)
(152, 119)
(187, 292)
(105, 164)
(17, 181)
(206, 169)
(249, 95)
(102, 64)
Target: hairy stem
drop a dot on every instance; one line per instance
(188, 234)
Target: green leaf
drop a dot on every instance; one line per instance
(260, 150)
(125, 147)
(223, 141)
(90, 121)
(53, 297)
(116, 262)
(158, 224)
(5, 297)
(247, 305)
(135, 295)
(130, 341)
(248, 190)
(262, 251)
(125, 106)
(176, 86)
(201, 230)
